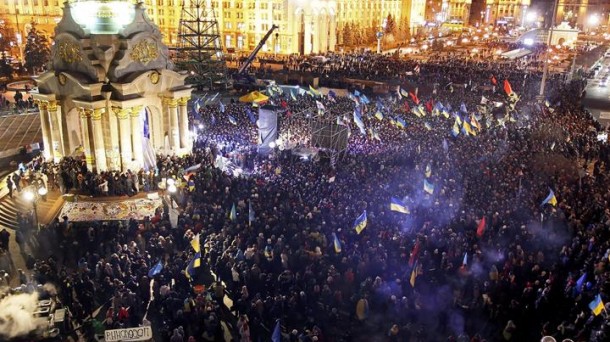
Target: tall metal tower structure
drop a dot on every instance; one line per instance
(199, 49)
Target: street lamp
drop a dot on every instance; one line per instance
(379, 34)
(592, 21)
(34, 196)
(171, 188)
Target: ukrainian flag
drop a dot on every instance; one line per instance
(455, 131)
(399, 206)
(400, 123)
(458, 119)
(597, 305)
(233, 213)
(428, 187)
(445, 113)
(550, 199)
(313, 92)
(360, 222)
(336, 243)
(428, 170)
(428, 126)
(195, 243)
(414, 273)
(379, 115)
(193, 264)
(468, 129)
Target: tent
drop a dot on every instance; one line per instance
(254, 97)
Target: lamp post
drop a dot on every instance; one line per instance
(545, 70)
(380, 34)
(34, 196)
(18, 35)
(171, 188)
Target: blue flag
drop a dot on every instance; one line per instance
(222, 107)
(360, 222)
(232, 120)
(356, 93)
(146, 126)
(580, 282)
(463, 108)
(155, 269)
(250, 115)
(277, 332)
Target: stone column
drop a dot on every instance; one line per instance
(112, 153)
(98, 140)
(136, 136)
(125, 137)
(173, 123)
(184, 123)
(85, 141)
(57, 148)
(46, 129)
(333, 32)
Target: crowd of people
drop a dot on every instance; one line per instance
(476, 258)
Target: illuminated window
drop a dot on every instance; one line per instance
(264, 6)
(228, 25)
(226, 4)
(226, 15)
(228, 41)
(251, 5)
(265, 27)
(264, 16)
(240, 15)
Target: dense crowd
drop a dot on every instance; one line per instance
(429, 275)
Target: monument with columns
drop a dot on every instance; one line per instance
(110, 95)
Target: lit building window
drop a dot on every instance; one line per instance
(228, 41)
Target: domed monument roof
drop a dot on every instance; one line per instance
(103, 16)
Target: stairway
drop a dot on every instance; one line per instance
(8, 212)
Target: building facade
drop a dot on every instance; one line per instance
(583, 14)
(304, 26)
(455, 10)
(506, 12)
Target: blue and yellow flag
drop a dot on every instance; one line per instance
(597, 305)
(400, 123)
(313, 91)
(428, 126)
(336, 243)
(428, 171)
(455, 130)
(428, 187)
(192, 265)
(233, 213)
(414, 273)
(468, 129)
(379, 115)
(550, 199)
(360, 222)
(399, 206)
(195, 243)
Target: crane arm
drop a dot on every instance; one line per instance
(250, 59)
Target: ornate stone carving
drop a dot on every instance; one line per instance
(155, 77)
(52, 106)
(121, 113)
(69, 52)
(172, 103)
(61, 78)
(135, 111)
(97, 114)
(144, 51)
(183, 101)
(42, 105)
(82, 112)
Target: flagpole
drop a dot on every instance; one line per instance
(545, 69)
